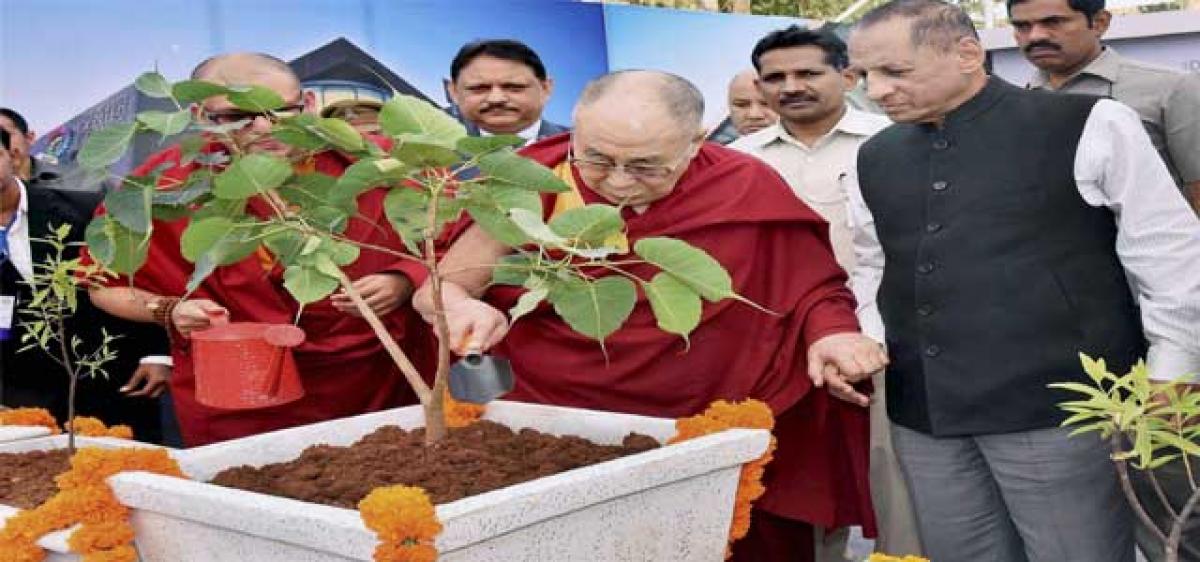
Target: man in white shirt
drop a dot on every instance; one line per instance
(501, 87)
(29, 378)
(803, 78)
(998, 234)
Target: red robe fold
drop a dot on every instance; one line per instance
(343, 367)
(778, 253)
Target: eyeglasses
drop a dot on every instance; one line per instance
(642, 172)
(236, 115)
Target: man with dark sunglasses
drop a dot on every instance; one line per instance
(343, 367)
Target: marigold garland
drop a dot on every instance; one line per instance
(722, 415)
(30, 416)
(877, 557)
(406, 522)
(93, 427)
(84, 497)
(461, 414)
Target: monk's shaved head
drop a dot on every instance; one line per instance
(242, 69)
(642, 91)
(745, 78)
(251, 69)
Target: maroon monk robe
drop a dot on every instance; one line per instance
(778, 253)
(343, 367)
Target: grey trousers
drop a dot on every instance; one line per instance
(1030, 496)
(1173, 480)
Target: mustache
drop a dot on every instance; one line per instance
(788, 98)
(495, 106)
(1042, 43)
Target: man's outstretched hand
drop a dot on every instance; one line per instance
(838, 361)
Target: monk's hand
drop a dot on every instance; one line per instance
(838, 361)
(197, 314)
(474, 325)
(383, 293)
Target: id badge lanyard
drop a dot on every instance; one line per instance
(8, 295)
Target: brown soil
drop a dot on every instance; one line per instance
(27, 479)
(481, 457)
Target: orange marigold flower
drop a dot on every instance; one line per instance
(93, 427)
(21, 551)
(461, 414)
(30, 416)
(107, 535)
(399, 513)
(406, 522)
(398, 552)
(87, 426)
(120, 432)
(123, 553)
(92, 465)
(84, 504)
(30, 525)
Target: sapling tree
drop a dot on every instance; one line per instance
(1147, 424)
(433, 172)
(55, 292)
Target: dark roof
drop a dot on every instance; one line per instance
(342, 60)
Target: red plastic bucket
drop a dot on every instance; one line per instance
(246, 365)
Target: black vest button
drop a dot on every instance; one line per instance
(926, 267)
(940, 185)
(933, 351)
(933, 227)
(924, 310)
(941, 144)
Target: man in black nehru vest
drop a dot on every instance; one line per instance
(999, 232)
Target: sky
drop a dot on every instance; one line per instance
(62, 56)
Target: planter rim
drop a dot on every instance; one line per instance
(466, 521)
(10, 433)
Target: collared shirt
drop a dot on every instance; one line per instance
(1158, 238)
(20, 252)
(17, 236)
(1167, 101)
(816, 174)
(530, 133)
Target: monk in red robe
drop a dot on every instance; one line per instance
(638, 142)
(343, 367)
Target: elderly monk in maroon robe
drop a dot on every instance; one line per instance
(638, 142)
(343, 367)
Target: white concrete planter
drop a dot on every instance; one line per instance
(55, 543)
(9, 433)
(673, 503)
